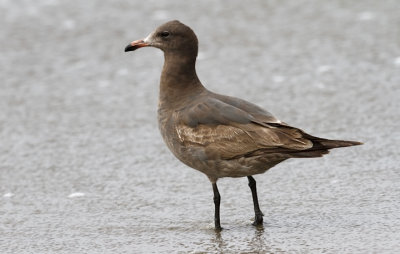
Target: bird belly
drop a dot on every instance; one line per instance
(214, 168)
(219, 168)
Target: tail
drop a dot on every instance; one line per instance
(330, 144)
(322, 146)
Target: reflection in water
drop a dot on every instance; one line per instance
(235, 243)
(258, 240)
(219, 242)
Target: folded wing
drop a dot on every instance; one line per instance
(227, 131)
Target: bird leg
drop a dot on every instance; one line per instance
(258, 219)
(217, 202)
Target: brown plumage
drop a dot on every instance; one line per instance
(219, 135)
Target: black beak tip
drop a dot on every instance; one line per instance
(130, 48)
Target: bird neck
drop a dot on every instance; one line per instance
(178, 78)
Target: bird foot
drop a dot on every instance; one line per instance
(258, 220)
(217, 224)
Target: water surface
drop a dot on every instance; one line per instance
(83, 167)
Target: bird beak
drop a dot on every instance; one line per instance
(135, 45)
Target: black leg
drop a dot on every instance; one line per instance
(258, 219)
(217, 202)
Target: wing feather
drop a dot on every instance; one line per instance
(224, 131)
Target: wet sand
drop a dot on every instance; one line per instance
(83, 168)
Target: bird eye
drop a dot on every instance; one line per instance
(164, 34)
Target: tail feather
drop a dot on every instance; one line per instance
(329, 144)
(321, 147)
(308, 154)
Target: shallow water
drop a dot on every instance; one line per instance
(84, 169)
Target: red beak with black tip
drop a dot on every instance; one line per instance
(135, 45)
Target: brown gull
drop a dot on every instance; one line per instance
(219, 135)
